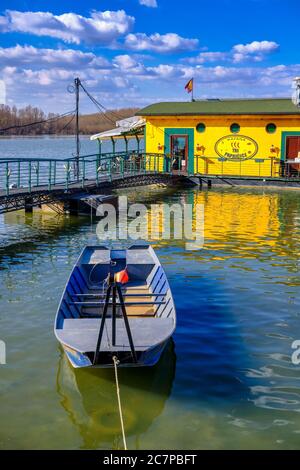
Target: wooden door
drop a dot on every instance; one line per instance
(292, 152)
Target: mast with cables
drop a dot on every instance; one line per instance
(77, 84)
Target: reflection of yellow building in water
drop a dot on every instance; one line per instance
(225, 137)
(251, 218)
(237, 223)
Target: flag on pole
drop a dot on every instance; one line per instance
(189, 86)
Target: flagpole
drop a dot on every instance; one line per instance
(193, 90)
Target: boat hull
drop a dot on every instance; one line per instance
(147, 358)
(133, 320)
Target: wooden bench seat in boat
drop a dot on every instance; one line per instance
(132, 288)
(137, 310)
(82, 334)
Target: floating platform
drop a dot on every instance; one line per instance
(271, 182)
(84, 204)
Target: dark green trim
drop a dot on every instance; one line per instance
(284, 135)
(145, 148)
(169, 131)
(279, 106)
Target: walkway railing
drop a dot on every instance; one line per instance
(261, 167)
(219, 166)
(29, 174)
(18, 175)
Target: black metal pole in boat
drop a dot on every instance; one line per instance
(114, 314)
(96, 355)
(121, 299)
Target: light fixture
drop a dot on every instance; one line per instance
(200, 148)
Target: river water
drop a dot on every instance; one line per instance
(225, 382)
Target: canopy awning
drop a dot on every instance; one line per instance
(129, 128)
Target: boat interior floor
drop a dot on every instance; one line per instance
(82, 333)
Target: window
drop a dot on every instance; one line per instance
(235, 128)
(271, 128)
(200, 127)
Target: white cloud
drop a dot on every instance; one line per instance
(41, 77)
(101, 28)
(125, 61)
(128, 65)
(164, 43)
(256, 51)
(38, 57)
(148, 3)
(257, 47)
(130, 83)
(165, 71)
(205, 57)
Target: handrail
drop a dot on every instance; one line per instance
(49, 173)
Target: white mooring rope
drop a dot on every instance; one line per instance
(116, 362)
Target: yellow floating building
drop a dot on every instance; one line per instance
(242, 137)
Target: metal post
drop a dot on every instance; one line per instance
(113, 144)
(122, 166)
(97, 351)
(126, 144)
(83, 173)
(49, 175)
(144, 162)
(138, 143)
(109, 168)
(97, 172)
(67, 175)
(114, 314)
(7, 179)
(271, 161)
(37, 173)
(29, 176)
(77, 83)
(120, 295)
(19, 174)
(54, 173)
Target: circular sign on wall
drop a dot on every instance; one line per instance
(236, 147)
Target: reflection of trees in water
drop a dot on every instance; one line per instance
(90, 401)
(41, 229)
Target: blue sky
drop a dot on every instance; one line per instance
(135, 52)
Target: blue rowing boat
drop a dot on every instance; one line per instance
(117, 302)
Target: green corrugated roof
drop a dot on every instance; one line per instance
(221, 107)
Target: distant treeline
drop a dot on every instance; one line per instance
(88, 123)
